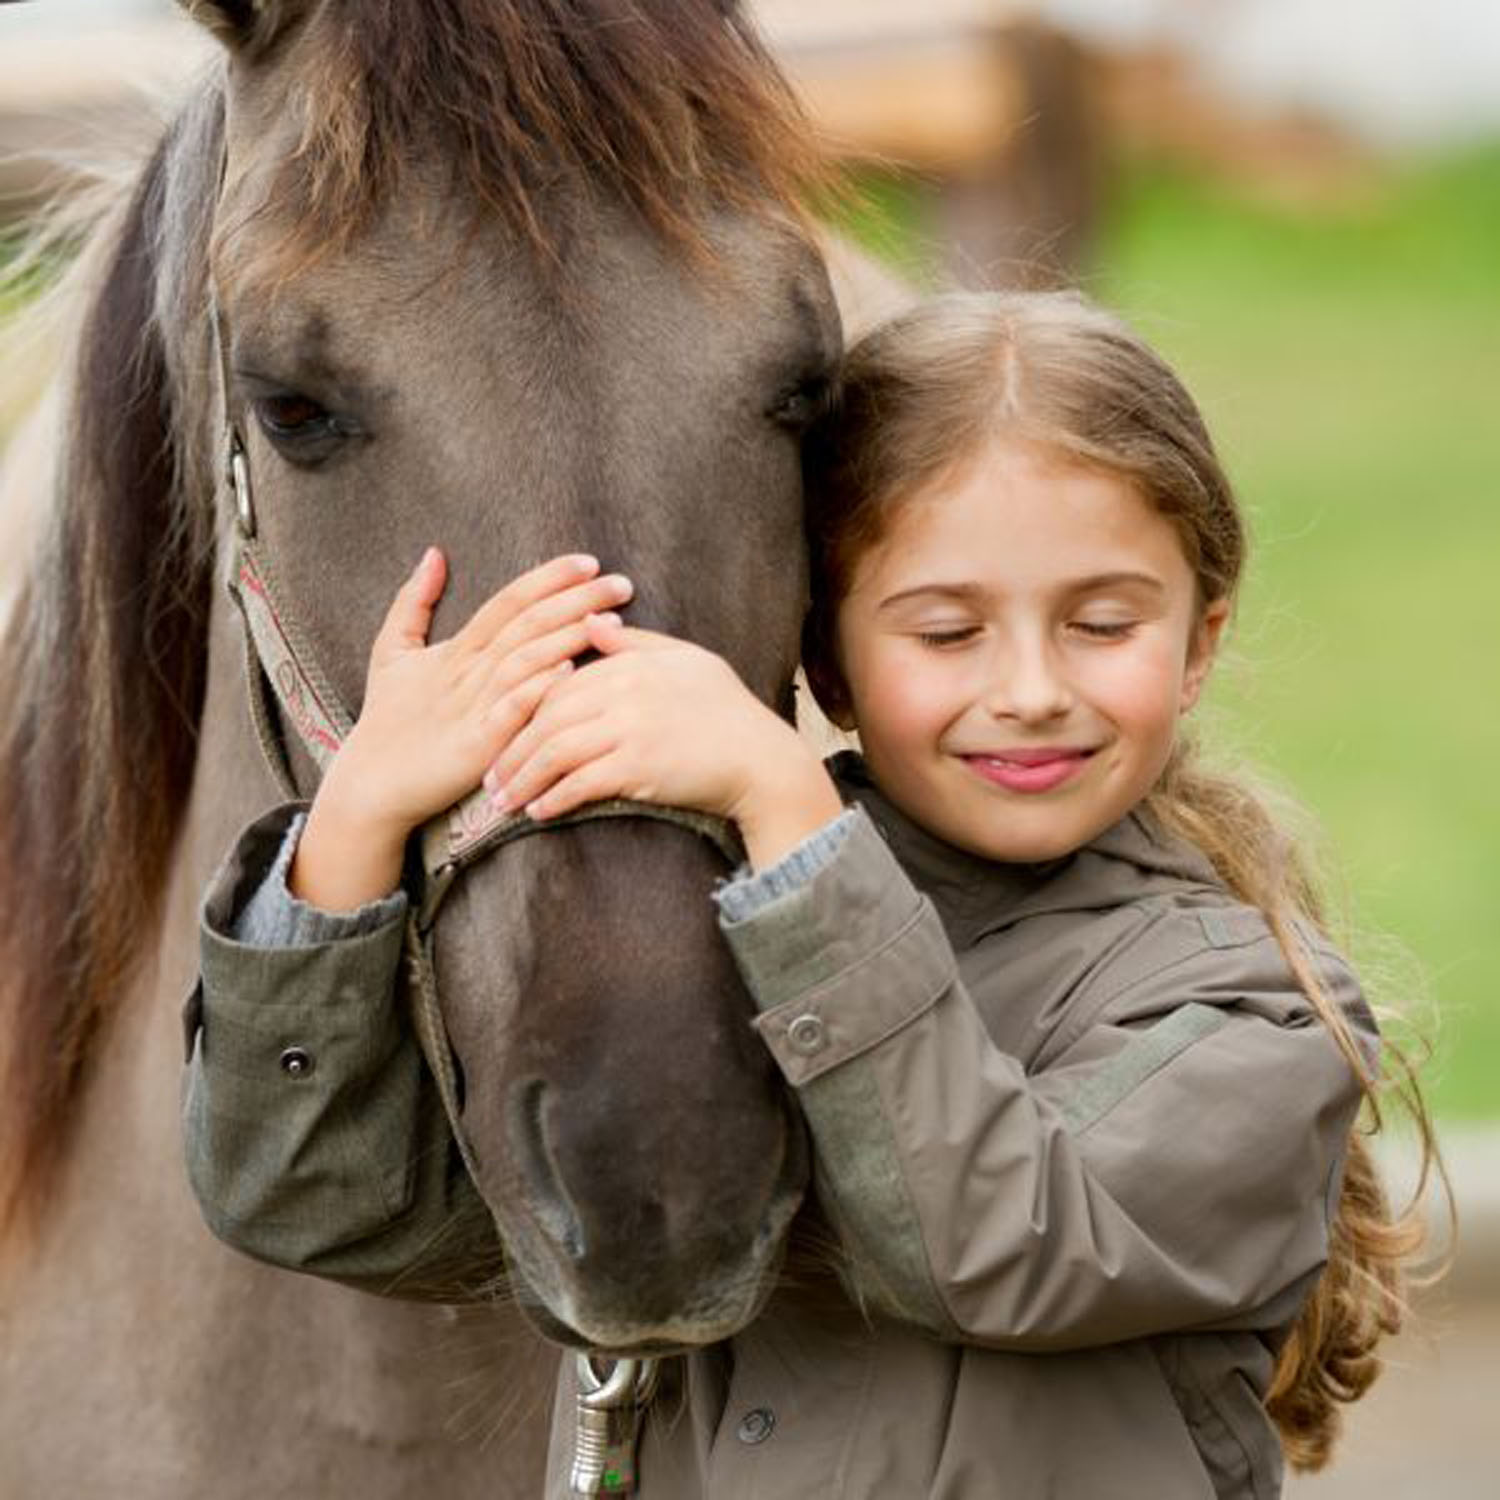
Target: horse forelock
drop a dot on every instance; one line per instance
(102, 663)
(673, 103)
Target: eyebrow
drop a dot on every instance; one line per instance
(966, 592)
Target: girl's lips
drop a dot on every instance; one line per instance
(1029, 770)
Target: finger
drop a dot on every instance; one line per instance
(609, 635)
(558, 756)
(563, 607)
(538, 583)
(503, 668)
(595, 782)
(563, 708)
(512, 711)
(409, 618)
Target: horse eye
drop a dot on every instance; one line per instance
(292, 417)
(800, 407)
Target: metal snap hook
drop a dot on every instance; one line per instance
(609, 1414)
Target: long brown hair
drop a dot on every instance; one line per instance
(921, 397)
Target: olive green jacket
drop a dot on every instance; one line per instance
(1078, 1129)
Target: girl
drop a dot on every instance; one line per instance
(1078, 1063)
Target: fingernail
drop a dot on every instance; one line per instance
(585, 562)
(607, 617)
(537, 809)
(620, 584)
(428, 558)
(500, 798)
(562, 669)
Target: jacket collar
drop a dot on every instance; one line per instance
(1131, 859)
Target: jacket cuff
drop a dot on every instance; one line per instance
(750, 891)
(260, 986)
(274, 918)
(843, 961)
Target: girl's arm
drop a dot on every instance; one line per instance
(1174, 1167)
(315, 1137)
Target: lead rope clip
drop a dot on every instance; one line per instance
(611, 1409)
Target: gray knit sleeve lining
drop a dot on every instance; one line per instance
(274, 918)
(748, 891)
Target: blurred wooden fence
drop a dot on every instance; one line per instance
(971, 93)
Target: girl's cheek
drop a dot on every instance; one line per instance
(1145, 687)
(893, 698)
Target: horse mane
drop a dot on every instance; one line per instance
(675, 103)
(102, 670)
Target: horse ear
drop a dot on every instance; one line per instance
(245, 25)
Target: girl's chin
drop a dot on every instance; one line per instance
(1028, 834)
(1008, 843)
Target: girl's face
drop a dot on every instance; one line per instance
(1018, 650)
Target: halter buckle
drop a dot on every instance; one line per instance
(239, 481)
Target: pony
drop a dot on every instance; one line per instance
(516, 277)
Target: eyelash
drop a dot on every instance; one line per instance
(1092, 630)
(1104, 632)
(940, 638)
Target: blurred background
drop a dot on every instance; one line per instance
(1299, 202)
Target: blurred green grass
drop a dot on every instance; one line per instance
(1349, 363)
(1348, 359)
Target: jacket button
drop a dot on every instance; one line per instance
(807, 1034)
(297, 1062)
(755, 1426)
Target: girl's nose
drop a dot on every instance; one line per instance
(1027, 685)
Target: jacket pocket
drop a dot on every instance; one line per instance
(1210, 1380)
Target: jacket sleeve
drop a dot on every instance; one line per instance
(1172, 1167)
(314, 1134)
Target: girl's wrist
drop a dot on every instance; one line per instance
(347, 856)
(790, 797)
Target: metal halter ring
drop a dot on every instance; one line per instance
(627, 1382)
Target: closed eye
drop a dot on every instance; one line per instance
(1100, 630)
(955, 635)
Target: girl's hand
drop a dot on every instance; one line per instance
(659, 720)
(435, 716)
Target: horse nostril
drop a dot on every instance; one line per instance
(548, 1196)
